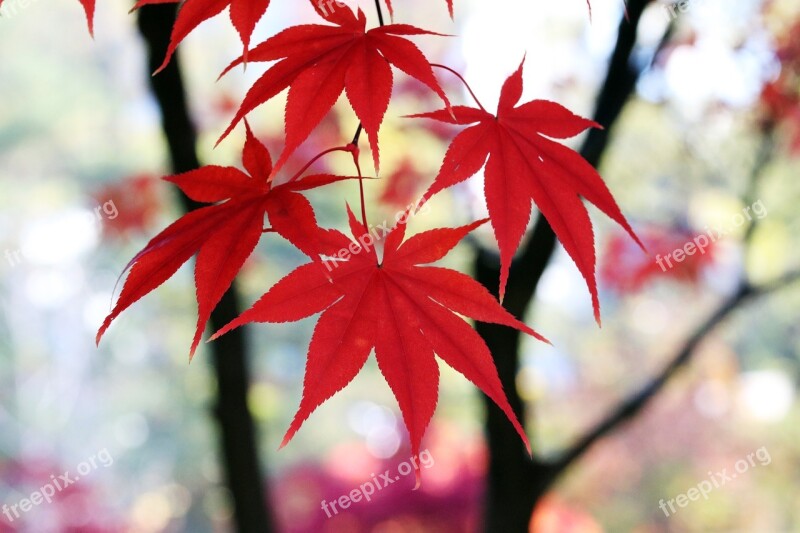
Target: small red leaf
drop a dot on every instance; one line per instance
(524, 164)
(224, 235)
(317, 63)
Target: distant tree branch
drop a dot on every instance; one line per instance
(745, 292)
(641, 399)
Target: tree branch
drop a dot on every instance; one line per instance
(239, 452)
(515, 483)
(639, 400)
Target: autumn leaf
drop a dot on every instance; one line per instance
(525, 164)
(244, 15)
(405, 311)
(318, 62)
(224, 235)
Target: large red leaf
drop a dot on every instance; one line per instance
(318, 62)
(524, 164)
(405, 311)
(224, 235)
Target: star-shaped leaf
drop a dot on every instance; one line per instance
(524, 164)
(405, 311)
(223, 235)
(318, 62)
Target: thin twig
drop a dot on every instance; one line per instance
(638, 401)
(460, 77)
(380, 11)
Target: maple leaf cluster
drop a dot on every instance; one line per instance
(393, 302)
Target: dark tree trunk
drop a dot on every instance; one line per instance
(229, 353)
(515, 484)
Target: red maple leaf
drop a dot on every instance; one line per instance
(224, 235)
(405, 311)
(318, 62)
(524, 163)
(244, 14)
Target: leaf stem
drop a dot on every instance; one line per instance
(357, 136)
(460, 77)
(316, 158)
(356, 152)
(353, 146)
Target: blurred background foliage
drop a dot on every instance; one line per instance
(80, 156)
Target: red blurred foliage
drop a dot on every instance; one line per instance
(138, 201)
(78, 508)
(454, 511)
(225, 104)
(780, 98)
(625, 268)
(450, 499)
(403, 186)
